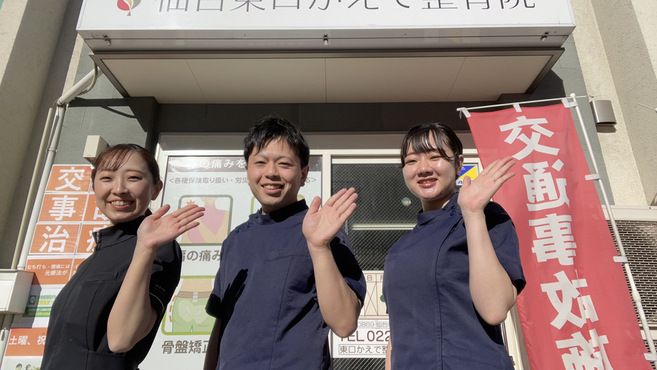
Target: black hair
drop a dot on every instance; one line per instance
(418, 138)
(112, 158)
(272, 128)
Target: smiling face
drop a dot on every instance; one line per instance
(123, 194)
(431, 176)
(275, 175)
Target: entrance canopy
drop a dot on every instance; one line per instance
(325, 51)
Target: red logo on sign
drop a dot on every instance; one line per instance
(127, 5)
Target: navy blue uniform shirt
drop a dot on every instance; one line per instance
(265, 294)
(433, 322)
(77, 329)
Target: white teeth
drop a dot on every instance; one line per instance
(120, 203)
(272, 187)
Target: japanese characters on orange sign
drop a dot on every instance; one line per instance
(67, 218)
(26, 342)
(576, 311)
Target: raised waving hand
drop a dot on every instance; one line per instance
(160, 228)
(322, 222)
(475, 194)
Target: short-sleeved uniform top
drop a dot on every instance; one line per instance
(77, 330)
(433, 321)
(265, 294)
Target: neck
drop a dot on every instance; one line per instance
(435, 204)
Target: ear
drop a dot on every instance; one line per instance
(304, 175)
(458, 163)
(156, 190)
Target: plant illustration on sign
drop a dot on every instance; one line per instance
(127, 5)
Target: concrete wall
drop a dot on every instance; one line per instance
(618, 49)
(37, 39)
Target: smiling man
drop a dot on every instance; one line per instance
(287, 275)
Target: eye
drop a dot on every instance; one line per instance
(135, 178)
(409, 161)
(104, 178)
(285, 164)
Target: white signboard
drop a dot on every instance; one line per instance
(201, 24)
(318, 14)
(371, 337)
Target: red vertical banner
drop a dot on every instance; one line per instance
(576, 311)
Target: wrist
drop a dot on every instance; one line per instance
(473, 215)
(145, 250)
(319, 249)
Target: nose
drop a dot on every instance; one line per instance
(271, 171)
(118, 187)
(423, 167)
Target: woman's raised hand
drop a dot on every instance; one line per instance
(160, 228)
(475, 194)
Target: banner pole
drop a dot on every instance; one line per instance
(635, 292)
(464, 109)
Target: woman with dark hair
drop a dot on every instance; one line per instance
(451, 281)
(107, 315)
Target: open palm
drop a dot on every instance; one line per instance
(322, 223)
(475, 194)
(158, 228)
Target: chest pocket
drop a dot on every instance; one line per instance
(294, 266)
(89, 308)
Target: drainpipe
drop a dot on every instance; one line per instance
(50, 140)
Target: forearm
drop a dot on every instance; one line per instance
(337, 302)
(491, 289)
(212, 353)
(388, 364)
(132, 316)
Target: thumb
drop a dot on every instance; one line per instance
(161, 212)
(466, 181)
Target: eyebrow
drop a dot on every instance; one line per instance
(277, 158)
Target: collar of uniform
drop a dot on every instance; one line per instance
(119, 232)
(451, 209)
(281, 214)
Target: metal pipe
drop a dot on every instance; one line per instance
(626, 265)
(45, 138)
(464, 109)
(28, 226)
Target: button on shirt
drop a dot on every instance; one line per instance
(77, 330)
(433, 322)
(265, 294)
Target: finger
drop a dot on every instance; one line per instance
(344, 197)
(347, 213)
(161, 212)
(187, 211)
(343, 206)
(188, 219)
(335, 197)
(466, 181)
(505, 178)
(314, 205)
(505, 165)
(490, 168)
(184, 209)
(187, 227)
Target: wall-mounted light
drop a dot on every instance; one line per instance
(603, 113)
